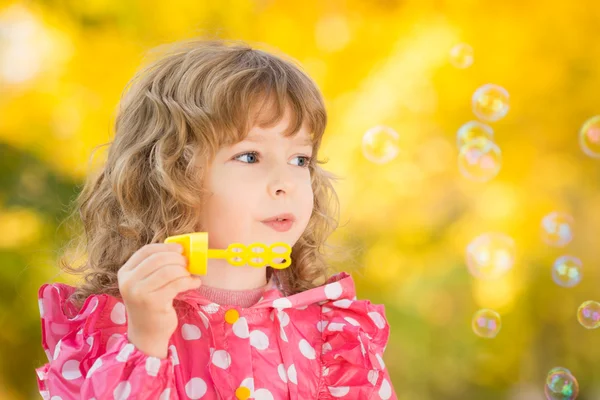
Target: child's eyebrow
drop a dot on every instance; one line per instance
(261, 139)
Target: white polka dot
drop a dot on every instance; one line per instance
(204, 319)
(385, 391)
(340, 391)
(325, 371)
(248, 383)
(378, 319)
(281, 372)
(195, 388)
(152, 366)
(48, 355)
(45, 394)
(306, 349)
(282, 334)
(240, 328)
(282, 303)
(90, 341)
(55, 398)
(362, 346)
(97, 364)
(321, 325)
(221, 359)
(283, 317)
(326, 348)
(174, 355)
(325, 309)
(70, 370)
(117, 315)
(41, 306)
(190, 332)
(259, 340)
(291, 373)
(122, 390)
(333, 290)
(41, 374)
(165, 394)
(211, 308)
(344, 303)
(94, 303)
(302, 308)
(57, 349)
(380, 361)
(125, 352)
(352, 321)
(112, 340)
(373, 375)
(59, 329)
(335, 327)
(263, 394)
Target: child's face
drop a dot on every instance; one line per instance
(247, 189)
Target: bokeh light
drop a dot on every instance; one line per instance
(380, 144)
(479, 160)
(490, 255)
(588, 314)
(473, 130)
(490, 102)
(561, 385)
(461, 56)
(589, 137)
(567, 271)
(486, 323)
(557, 229)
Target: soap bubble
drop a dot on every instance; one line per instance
(479, 160)
(561, 385)
(486, 323)
(380, 144)
(490, 255)
(461, 56)
(557, 229)
(589, 137)
(473, 130)
(588, 314)
(566, 271)
(490, 102)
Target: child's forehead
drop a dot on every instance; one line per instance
(269, 120)
(261, 135)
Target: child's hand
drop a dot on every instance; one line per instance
(148, 282)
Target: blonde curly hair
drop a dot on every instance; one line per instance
(179, 109)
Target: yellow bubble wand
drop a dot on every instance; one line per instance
(195, 249)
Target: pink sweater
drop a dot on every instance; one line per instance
(240, 298)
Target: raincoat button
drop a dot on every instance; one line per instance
(231, 316)
(242, 393)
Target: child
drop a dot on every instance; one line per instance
(206, 140)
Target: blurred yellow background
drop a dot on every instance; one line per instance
(64, 65)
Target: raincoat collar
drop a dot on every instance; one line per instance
(273, 297)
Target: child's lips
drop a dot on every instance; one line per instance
(280, 226)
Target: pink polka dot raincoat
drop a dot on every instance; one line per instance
(319, 344)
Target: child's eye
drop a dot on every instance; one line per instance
(254, 155)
